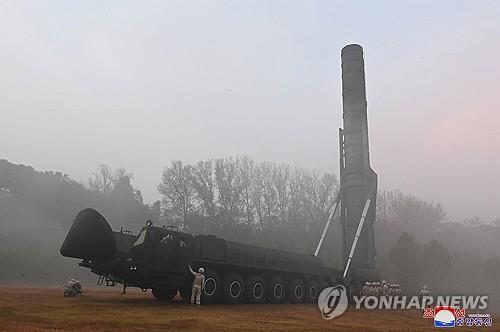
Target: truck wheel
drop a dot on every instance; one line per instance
(164, 293)
(295, 291)
(255, 289)
(275, 290)
(233, 288)
(211, 288)
(312, 291)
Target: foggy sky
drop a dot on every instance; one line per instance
(139, 84)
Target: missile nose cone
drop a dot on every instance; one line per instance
(352, 48)
(90, 237)
(352, 53)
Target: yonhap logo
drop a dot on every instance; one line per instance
(444, 316)
(332, 301)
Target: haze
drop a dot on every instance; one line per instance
(139, 84)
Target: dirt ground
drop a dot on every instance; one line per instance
(45, 309)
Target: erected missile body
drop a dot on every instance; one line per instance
(357, 179)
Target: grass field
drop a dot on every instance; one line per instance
(45, 309)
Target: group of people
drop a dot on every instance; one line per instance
(382, 288)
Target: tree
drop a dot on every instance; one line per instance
(177, 191)
(102, 180)
(385, 206)
(154, 211)
(269, 197)
(229, 188)
(257, 196)
(493, 268)
(320, 192)
(281, 181)
(263, 203)
(397, 212)
(247, 173)
(123, 190)
(105, 178)
(296, 209)
(436, 264)
(203, 182)
(40, 207)
(405, 256)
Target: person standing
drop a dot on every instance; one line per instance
(425, 297)
(364, 290)
(385, 288)
(198, 285)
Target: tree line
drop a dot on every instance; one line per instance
(418, 245)
(279, 206)
(261, 203)
(248, 201)
(37, 210)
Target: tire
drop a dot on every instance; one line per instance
(295, 291)
(233, 288)
(212, 287)
(275, 290)
(164, 292)
(312, 291)
(255, 289)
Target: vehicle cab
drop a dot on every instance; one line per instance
(162, 250)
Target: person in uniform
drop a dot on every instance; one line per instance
(198, 285)
(390, 290)
(398, 290)
(424, 292)
(385, 288)
(379, 289)
(373, 290)
(364, 290)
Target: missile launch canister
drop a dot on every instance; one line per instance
(357, 179)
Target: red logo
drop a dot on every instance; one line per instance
(428, 313)
(443, 307)
(460, 312)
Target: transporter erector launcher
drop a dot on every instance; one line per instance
(157, 258)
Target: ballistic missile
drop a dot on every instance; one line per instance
(358, 181)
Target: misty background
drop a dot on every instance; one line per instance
(128, 87)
